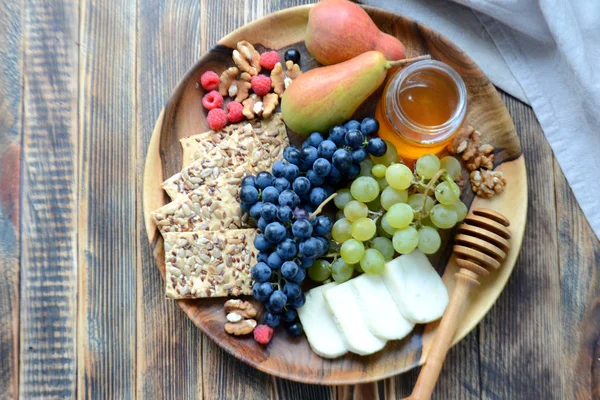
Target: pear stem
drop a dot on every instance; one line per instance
(406, 61)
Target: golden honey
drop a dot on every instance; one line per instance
(422, 108)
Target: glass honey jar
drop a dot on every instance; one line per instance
(423, 106)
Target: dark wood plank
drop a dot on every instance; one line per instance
(169, 344)
(107, 195)
(10, 172)
(519, 339)
(579, 257)
(283, 389)
(459, 378)
(49, 202)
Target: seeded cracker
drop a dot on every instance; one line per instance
(209, 264)
(198, 146)
(209, 207)
(269, 138)
(203, 172)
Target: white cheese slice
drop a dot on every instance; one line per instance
(416, 287)
(383, 318)
(343, 304)
(321, 331)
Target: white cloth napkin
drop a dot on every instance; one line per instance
(545, 53)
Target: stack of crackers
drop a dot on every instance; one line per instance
(208, 240)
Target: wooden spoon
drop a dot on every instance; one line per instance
(482, 243)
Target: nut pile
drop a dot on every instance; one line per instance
(479, 160)
(252, 93)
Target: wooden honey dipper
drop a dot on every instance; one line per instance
(482, 243)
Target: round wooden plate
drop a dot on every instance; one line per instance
(292, 358)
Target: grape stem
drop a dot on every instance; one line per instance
(320, 208)
(429, 186)
(278, 280)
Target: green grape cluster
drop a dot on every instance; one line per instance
(389, 210)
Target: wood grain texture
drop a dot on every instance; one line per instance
(10, 174)
(49, 209)
(540, 340)
(107, 195)
(169, 344)
(520, 331)
(486, 111)
(579, 260)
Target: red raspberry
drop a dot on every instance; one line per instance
(217, 119)
(263, 334)
(209, 80)
(261, 84)
(212, 100)
(234, 112)
(269, 59)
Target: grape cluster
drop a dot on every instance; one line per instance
(282, 203)
(389, 209)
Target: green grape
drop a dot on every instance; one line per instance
(390, 230)
(399, 215)
(445, 193)
(390, 156)
(452, 166)
(365, 167)
(455, 188)
(339, 214)
(382, 233)
(383, 183)
(405, 240)
(427, 222)
(378, 170)
(355, 210)
(429, 240)
(427, 166)
(385, 247)
(363, 229)
(357, 268)
(443, 216)
(461, 210)
(372, 262)
(416, 202)
(319, 271)
(352, 251)
(365, 189)
(341, 271)
(399, 176)
(375, 205)
(334, 247)
(391, 196)
(340, 232)
(342, 198)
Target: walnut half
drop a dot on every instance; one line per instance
(487, 183)
(468, 145)
(243, 327)
(247, 58)
(241, 307)
(280, 80)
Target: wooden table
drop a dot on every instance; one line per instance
(82, 309)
